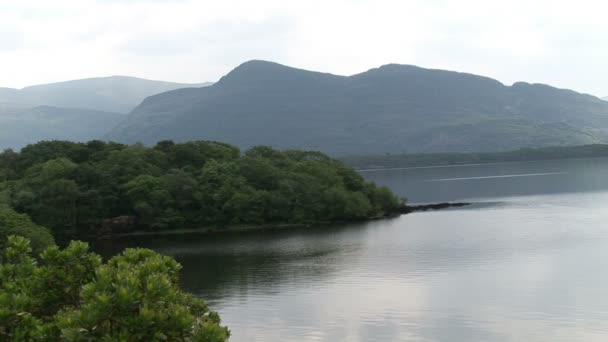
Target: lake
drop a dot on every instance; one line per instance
(528, 261)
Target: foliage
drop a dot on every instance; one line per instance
(73, 188)
(71, 296)
(12, 223)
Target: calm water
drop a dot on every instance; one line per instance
(528, 262)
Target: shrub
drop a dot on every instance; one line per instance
(70, 295)
(13, 223)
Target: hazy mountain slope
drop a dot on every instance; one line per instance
(8, 92)
(391, 109)
(114, 94)
(605, 98)
(19, 127)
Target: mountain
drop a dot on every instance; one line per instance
(390, 109)
(605, 98)
(7, 92)
(19, 126)
(112, 94)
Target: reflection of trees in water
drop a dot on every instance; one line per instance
(217, 266)
(218, 276)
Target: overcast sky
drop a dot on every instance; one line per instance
(562, 43)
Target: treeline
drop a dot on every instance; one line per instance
(98, 187)
(438, 159)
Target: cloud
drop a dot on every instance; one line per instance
(11, 39)
(542, 41)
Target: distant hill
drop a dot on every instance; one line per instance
(19, 127)
(605, 98)
(113, 94)
(388, 161)
(391, 109)
(8, 92)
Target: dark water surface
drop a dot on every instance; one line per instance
(529, 262)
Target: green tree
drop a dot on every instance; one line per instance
(78, 189)
(196, 153)
(259, 173)
(72, 296)
(383, 199)
(49, 195)
(340, 204)
(150, 200)
(17, 296)
(219, 182)
(184, 192)
(13, 223)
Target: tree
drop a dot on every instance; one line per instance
(13, 223)
(17, 297)
(184, 193)
(72, 296)
(259, 173)
(197, 153)
(80, 189)
(383, 199)
(340, 204)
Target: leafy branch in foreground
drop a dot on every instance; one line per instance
(70, 295)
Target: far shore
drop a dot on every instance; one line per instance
(370, 163)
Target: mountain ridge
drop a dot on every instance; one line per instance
(22, 126)
(391, 109)
(112, 93)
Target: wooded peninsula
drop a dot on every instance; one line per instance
(102, 188)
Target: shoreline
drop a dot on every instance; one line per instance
(375, 168)
(407, 209)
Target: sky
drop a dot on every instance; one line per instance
(561, 43)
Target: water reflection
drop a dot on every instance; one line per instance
(511, 268)
(216, 266)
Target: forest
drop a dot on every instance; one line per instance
(101, 188)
